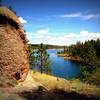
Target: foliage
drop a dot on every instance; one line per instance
(39, 58)
(40, 88)
(10, 8)
(84, 73)
(42, 59)
(87, 51)
(1, 2)
(89, 54)
(95, 77)
(35, 46)
(31, 56)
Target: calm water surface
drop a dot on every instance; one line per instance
(63, 68)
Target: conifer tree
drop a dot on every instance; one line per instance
(0, 2)
(42, 59)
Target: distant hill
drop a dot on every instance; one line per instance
(48, 46)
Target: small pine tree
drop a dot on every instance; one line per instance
(31, 56)
(10, 8)
(64, 49)
(0, 2)
(42, 59)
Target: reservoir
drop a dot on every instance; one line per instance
(67, 69)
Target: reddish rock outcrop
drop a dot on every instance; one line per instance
(13, 46)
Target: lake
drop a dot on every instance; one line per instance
(67, 69)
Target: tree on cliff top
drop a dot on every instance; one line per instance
(10, 8)
(0, 2)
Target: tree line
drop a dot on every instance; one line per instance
(89, 54)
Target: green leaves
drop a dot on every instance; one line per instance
(89, 54)
(10, 8)
(39, 58)
(42, 59)
(95, 77)
(31, 56)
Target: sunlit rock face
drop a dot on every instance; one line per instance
(14, 62)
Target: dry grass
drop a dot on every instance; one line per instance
(51, 82)
(36, 87)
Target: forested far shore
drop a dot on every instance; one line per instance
(48, 46)
(88, 54)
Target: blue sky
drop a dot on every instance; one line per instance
(61, 22)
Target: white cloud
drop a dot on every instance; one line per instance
(85, 35)
(22, 20)
(42, 33)
(44, 36)
(80, 15)
(71, 15)
(90, 16)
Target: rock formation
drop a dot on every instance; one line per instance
(14, 62)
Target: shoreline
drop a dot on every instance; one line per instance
(67, 57)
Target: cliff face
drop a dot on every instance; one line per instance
(13, 47)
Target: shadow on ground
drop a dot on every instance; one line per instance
(56, 95)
